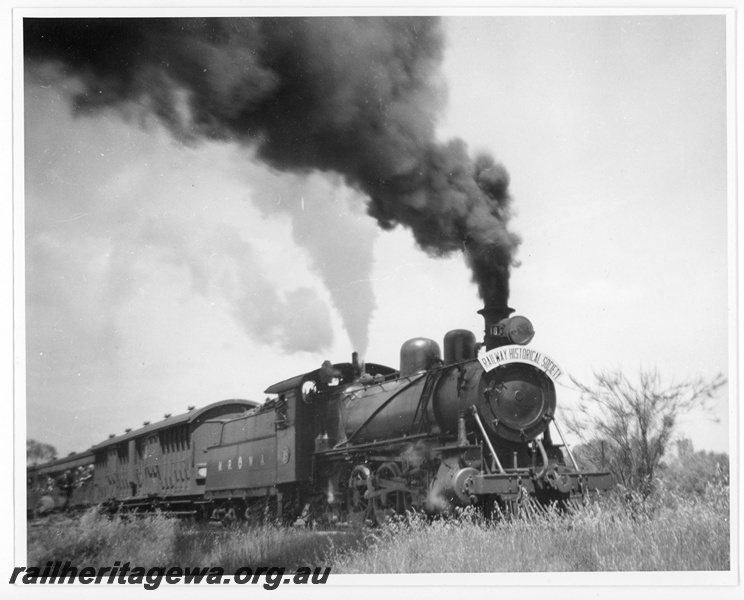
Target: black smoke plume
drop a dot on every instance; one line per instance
(355, 96)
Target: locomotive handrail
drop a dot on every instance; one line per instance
(565, 444)
(424, 399)
(377, 411)
(406, 438)
(474, 410)
(544, 455)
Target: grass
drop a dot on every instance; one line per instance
(96, 540)
(667, 532)
(602, 537)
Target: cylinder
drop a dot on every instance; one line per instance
(459, 346)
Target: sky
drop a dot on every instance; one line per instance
(162, 272)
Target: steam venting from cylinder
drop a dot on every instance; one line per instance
(354, 96)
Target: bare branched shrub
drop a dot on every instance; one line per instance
(626, 427)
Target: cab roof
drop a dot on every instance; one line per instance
(347, 376)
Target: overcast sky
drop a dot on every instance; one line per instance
(161, 275)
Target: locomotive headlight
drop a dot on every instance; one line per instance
(519, 330)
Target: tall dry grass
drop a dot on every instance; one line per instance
(666, 532)
(98, 541)
(622, 532)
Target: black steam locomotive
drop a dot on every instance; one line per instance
(350, 441)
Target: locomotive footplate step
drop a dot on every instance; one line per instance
(509, 484)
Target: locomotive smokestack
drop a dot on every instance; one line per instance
(493, 314)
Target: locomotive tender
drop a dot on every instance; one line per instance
(359, 442)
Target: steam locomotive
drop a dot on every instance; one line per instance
(350, 441)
